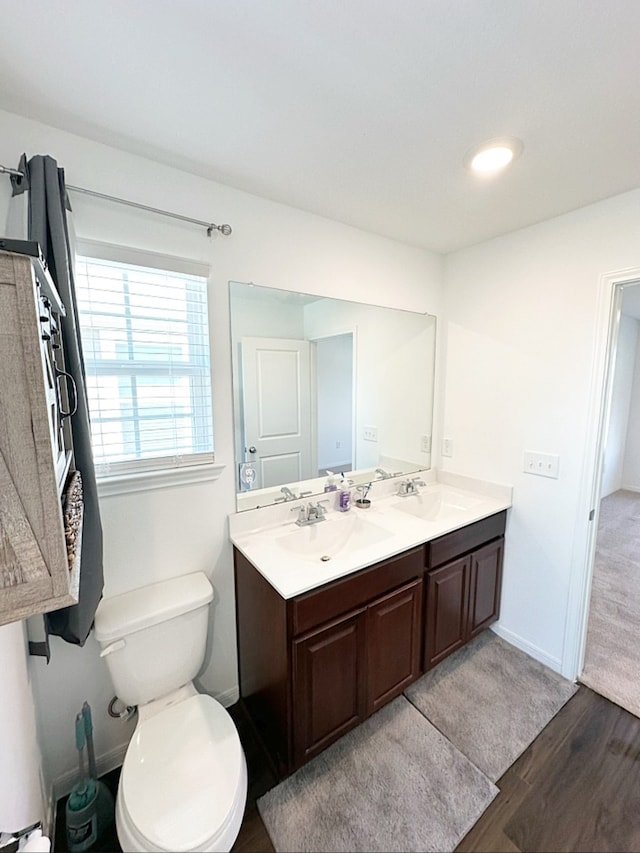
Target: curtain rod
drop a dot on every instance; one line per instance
(210, 226)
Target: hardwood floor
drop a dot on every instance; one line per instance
(576, 788)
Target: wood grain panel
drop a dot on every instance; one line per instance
(485, 587)
(35, 573)
(340, 596)
(447, 595)
(459, 542)
(263, 658)
(393, 644)
(329, 684)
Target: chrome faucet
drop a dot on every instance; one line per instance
(291, 496)
(387, 475)
(310, 514)
(410, 486)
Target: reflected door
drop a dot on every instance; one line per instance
(277, 401)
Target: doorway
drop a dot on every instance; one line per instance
(334, 387)
(608, 662)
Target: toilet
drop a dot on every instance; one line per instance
(183, 784)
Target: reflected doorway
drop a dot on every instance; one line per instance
(611, 664)
(333, 359)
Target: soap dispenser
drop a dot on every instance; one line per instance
(344, 498)
(330, 485)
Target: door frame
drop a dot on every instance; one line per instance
(608, 312)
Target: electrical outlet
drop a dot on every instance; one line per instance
(447, 447)
(370, 433)
(425, 444)
(542, 464)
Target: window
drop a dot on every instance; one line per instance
(145, 342)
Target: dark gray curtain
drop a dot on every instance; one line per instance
(47, 211)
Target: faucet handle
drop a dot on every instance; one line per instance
(321, 510)
(302, 512)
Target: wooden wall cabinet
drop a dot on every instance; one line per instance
(40, 491)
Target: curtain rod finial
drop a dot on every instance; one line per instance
(223, 229)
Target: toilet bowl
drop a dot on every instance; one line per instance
(183, 783)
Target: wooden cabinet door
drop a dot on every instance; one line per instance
(393, 643)
(447, 610)
(484, 587)
(329, 684)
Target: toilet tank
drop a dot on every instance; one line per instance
(153, 638)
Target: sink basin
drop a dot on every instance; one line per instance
(335, 536)
(436, 504)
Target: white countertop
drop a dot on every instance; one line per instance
(295, 559)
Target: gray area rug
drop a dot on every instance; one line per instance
(611, 663)
(394, 783)
(491, 700)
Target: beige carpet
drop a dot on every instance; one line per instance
(394, 783)
(491, 700)
(612, 654)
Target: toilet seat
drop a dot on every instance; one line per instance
(184, 780)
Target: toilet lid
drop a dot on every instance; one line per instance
(181, 774)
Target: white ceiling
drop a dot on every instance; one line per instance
(357, 110)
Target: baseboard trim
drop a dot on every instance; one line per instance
(105, 763)
(228, 697)
(525, 646)
(108, 761)
(630, 488)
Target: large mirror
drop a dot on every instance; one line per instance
(325, 385)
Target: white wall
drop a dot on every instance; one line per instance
(154, 535)
(394, 354)
(631, 467)
(21, 789)
(521, 314)
(335, 399)
(614, 457)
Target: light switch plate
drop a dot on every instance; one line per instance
(542, 464)
(370, 433)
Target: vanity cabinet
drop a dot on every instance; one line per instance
(41, 502)
(463, 583)
(315, 666)
(346, 670)
(329, 683)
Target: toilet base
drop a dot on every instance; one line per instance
(132, 841)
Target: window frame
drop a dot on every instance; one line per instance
(157, 472)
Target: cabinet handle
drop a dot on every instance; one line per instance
(73, 397)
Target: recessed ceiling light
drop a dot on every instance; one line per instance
(494, 155)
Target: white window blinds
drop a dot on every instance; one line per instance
(145, 340)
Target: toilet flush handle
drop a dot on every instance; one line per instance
(113, 647)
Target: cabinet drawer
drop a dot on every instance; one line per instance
(326, 602)
(459, 542)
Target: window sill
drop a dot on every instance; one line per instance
(146, 481)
